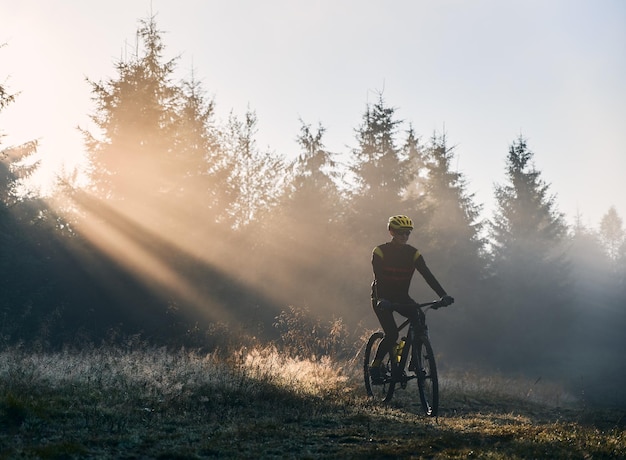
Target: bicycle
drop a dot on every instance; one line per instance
(415, 360)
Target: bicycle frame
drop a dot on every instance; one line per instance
(417, 328)
(417, 353)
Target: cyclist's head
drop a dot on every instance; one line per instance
(400, 223)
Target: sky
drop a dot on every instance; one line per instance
(483, 71)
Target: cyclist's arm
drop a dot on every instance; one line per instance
(377, 263)
(422, 268)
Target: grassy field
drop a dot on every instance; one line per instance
(147, 402)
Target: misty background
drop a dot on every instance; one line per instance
(181, 229)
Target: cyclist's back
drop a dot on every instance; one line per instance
(393, 266)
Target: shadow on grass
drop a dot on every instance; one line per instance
(159, 404)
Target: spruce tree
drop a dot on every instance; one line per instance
(254, 176)
(613, 240)
(379, 173)
(136, 118)
(612, 233)
(15, 169)
(448, 234)
(312, 252)
(452, 226)
(28, 249)
(415, 192)
(598, 315)
(530, 315)
(151, 202)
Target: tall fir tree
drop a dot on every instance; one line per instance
(612, 233)
(448, 234)
(313, 196)
(312, 247)
(452, 225)
(28, 249)
(154, 167)
(379, 173)
(613, 239)
(526, 222)
(598, 315)
(197, 176)
(254, 176)
(136, 116)
(15, 167)
(416, 176)
(530, 266)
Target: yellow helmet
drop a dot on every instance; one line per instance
(400, 223)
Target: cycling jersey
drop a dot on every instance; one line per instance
(394, 265)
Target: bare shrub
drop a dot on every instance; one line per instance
(303, 335)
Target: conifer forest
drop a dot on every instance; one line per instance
(187, 233)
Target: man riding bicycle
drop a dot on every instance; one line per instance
(393, 264)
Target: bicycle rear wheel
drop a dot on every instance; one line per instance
(426, 371)
(381, 391)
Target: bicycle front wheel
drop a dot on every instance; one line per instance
(379, 389)
(426, 371)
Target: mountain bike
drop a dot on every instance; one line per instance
(411, 359)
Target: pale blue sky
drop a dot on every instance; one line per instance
(487, 70)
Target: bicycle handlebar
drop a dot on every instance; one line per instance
(388, 305)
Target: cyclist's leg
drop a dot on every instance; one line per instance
(413, 314)
(388, 323)
(407, 310)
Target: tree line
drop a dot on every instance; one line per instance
(188, 232)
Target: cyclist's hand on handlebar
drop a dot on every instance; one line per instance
(445, 301)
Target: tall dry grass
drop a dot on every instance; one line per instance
(276, 400)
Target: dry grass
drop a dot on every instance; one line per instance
(148, 402)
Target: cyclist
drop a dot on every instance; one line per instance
(394, 264)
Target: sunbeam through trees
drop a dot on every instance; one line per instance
(189, 233)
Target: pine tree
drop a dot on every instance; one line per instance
(6, 97)
(27, 245)
(452, 227)
(312, 248)
(196, 148)
(379, 173)
(254, 176)
(154, 195)
(526, 223)
(612, 233)
(313, 196)
(197, 178)
(597, 309)
(448, 234)
(591, 266)
(136, 115)
(532, 282)
(613, 238)
(416, 155)
(15, 169)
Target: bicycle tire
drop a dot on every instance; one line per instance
(385, 391)
(427, 380)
